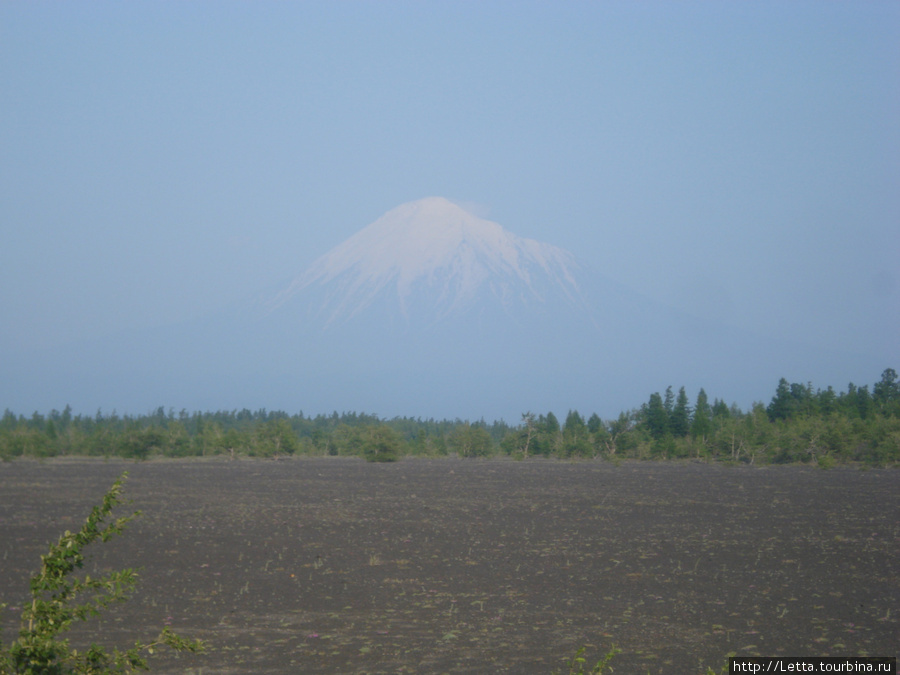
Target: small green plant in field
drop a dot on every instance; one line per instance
(40, 650)
(725, 667)
(577, 663)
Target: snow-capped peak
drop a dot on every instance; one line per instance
(435, 243)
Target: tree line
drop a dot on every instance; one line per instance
(800, 424)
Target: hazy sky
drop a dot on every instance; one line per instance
(739, 160)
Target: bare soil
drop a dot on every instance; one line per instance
(333, 565)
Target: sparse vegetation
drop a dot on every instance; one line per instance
(800, 425)
(40, 649)
(323, 565)
(576, 665)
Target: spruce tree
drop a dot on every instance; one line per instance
(700, 425)
(680, 419)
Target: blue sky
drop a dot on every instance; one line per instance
(736, 160)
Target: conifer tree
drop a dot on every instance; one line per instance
(700, 425)
(680, 419)
(655, 416)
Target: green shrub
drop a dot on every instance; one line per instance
(381, 444)
(40, 650)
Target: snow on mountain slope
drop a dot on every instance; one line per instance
(428, 311)
(432, 253)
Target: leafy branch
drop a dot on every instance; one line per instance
(40, 650)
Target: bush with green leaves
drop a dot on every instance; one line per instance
(381, 444)
(58, 599)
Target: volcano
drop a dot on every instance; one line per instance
(429, 311)
(429, 302)
(430, 261)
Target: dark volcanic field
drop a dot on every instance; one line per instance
(332, 565)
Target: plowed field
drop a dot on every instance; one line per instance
(333, 565)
